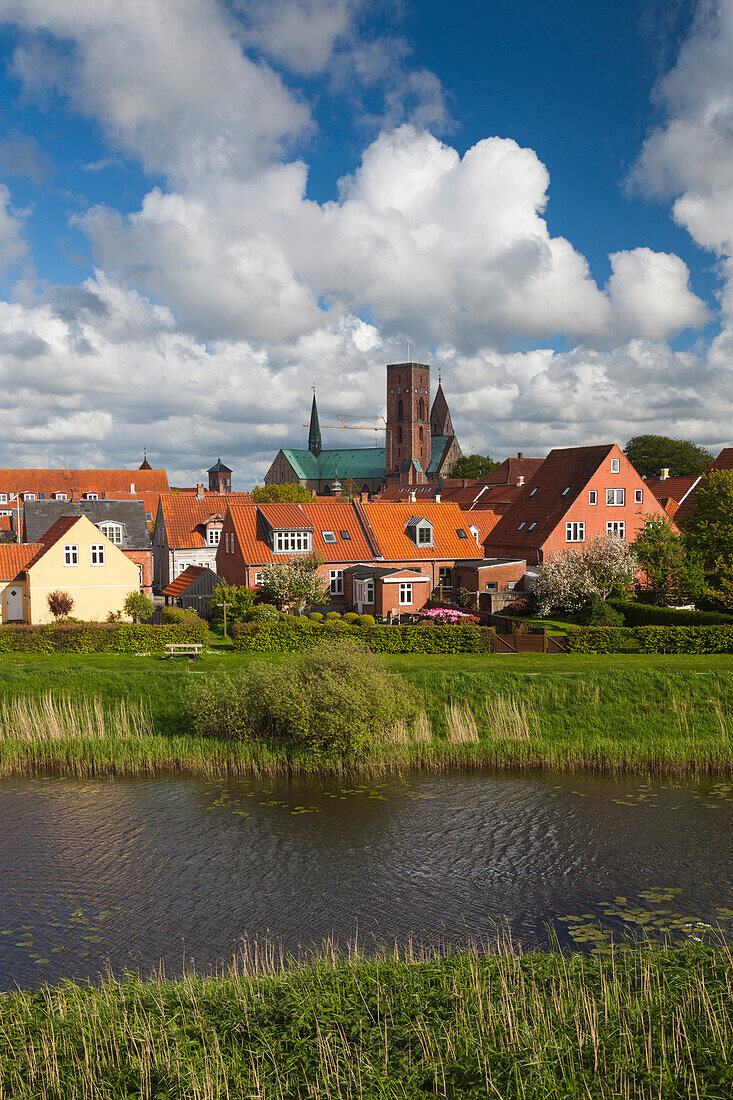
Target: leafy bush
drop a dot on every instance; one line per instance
(644, 614)
(366, 620)
(335, 701)
(181, 616)
(596, 612)
(330, 615)
(137, 606)
(600, 639)
(316, 616)
(291, 635)
(351, 618)
(651, 639)
(262, 613)
(99, 637)
(239, 601)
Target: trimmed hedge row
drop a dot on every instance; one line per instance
(99, 637)
(646, 614)
(291, 635)
(651, 639)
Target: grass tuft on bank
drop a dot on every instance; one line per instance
(641, 1022)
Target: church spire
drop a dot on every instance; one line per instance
(314, 434)
(440, 418)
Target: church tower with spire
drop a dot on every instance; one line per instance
(314, 434)
(440, 420)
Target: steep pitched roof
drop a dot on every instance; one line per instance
(724, 461)
(184, 514)
(218, 468)
(314, 432)
(41, 514)
(440, 419)
(510, 470)
(184, 580)
(338, 518)
(283, 516)
(389, 522)
(14, 557)
(76, 482)
(55, 533)
(542, 501)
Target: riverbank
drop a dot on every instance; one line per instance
(655, 714)
(633, 1023)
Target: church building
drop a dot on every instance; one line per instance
(418, 450)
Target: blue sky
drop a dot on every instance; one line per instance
(156, 158)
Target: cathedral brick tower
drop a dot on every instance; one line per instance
(408, 422)
(220, 478)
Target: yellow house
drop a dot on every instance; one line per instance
(73, 557)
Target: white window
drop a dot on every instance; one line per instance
(3, 498)
(615, 497)
(71, 555)
(29, 496)
(140, 575)
(405, 593)
(91, 496)
(288, 542)
(328, 536)
(258, 579)
(5, 513)
(213, 535)
(615, 465)
(113, 531)
(575, 532)
(592, 496)
(60, 496)
(616, 527)
(98, 553)
(425, 536)
(336, 579)
(369, 590)
(638, 496)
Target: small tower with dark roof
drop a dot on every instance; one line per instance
(314, 433)
(145, 465)
(220, 478)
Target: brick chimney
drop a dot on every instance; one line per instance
(200, 491)
(365, 498)
(520, 454)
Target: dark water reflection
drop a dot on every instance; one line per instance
(132, 872)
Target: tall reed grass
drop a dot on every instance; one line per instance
(411, 1024)
(61, 718)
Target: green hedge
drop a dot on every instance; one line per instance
(651, 639)
(99, 637)
(289, 636)
(646, 614)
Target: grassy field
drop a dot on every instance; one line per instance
(640, 1023)
(647, 713)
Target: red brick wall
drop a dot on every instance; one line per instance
(408, 384)
(476, 580)
(387, 597)
(144, 558)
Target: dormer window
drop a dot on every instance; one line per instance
(474, 531)
(113, 531)
(292, 542)
(29, 496)
(424, 536)
(213, 536)
(91, 496)
(420, 530)
(60, 496)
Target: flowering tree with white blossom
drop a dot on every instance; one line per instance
(570, 578)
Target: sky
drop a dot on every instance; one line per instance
(209, 206)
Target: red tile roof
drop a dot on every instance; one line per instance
(183, 580)
(289, 517)
(724, 461)
(184, 515)
(15, 556)
(253, 540)
(541, 500)
(675, 487)
(77, 482)
(389, 522)
(510, 470)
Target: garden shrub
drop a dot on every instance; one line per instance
(651, 639)
(596, 612)
(600, 639)
(180, 615)
(292, 635)
(366, 620)
(335, 701)
(646, 614)
(316, 617)
(100, 637)
(263, 613)
(351, 618)
(333, 615)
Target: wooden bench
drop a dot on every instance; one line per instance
(184, 649)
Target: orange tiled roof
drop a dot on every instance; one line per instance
(184, 515)
(285, 516)
(77, 482)
(15, 556)
(724, 461)
(183, 580)
(252, 536)
(389, 522)
(510, 470)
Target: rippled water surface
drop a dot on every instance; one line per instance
(128, 873)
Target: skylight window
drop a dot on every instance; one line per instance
(345, 536)
(533, 491)
(521, 525)
(565, 491)
(328, 536)
(531, 526)
(461, 533)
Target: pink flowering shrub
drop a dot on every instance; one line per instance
(448, 615)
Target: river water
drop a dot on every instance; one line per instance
(127, 874)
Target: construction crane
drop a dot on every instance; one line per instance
(353, 427)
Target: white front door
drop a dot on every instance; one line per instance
(13, 603)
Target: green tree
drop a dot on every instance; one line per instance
(294, 583)
(350, 490)
(709, 524)
(473, 466)
(291, 493)
(138, 607)
(671, 572)
(239, 600)
(649, 454)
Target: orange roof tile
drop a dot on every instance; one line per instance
(389, 522)
(15, 556)
(724, 461)
(184, 515)
(183, 580)
(76, 482)
(252, 535)
(285, 516)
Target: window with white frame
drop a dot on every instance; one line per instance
(97, 553)
(638, 496)
(615, 465)
(140, 574)
(71, 554)
(424, 535)
(405, 593)
(575, 532)
(213, 535)
(60, 496)
(258, 580)
(289, 542)
(616, 527)
(113, 531)
(336, 582)
(3, 498)
(615, 497)
(5, 513)
(368, 590)
(29, 496)
(592, 496)
(328, 537)
(91, 496)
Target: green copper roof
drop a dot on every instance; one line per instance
(437, 446)
(355, 462)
